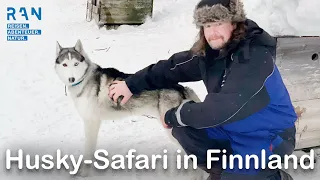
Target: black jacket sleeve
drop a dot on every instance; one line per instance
(244, 84)
(180, 67)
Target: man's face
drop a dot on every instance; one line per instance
(218, 34)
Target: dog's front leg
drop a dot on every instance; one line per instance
(91, 137)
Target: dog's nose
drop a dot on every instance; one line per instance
(71, 80)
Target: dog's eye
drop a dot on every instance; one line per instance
(64, 65)
(76, 64)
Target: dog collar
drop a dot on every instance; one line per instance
(77, 83)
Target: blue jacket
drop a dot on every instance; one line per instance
(247, 102)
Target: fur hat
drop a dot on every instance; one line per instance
(218, 10)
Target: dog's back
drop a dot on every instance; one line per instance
(148, 100)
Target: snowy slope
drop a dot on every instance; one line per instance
(38, 118)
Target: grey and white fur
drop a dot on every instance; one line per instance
(88, 84)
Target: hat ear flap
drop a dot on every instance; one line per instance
(237, 9)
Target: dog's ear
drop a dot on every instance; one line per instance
(58, 48)
(78, 46)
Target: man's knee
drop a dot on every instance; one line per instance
(187, 136)
(197, 142)
(193, 141)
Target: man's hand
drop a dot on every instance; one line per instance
(119, 88)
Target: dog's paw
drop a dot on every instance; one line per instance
(83, 172)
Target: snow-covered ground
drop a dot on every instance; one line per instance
(37, 117)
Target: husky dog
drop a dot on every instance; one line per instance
(88, 86)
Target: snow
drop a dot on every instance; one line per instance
(37, 116)
(285, 17)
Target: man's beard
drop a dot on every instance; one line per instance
(222, 44)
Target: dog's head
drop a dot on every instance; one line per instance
(71, 64)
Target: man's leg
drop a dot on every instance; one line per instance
(286, 147)
(197, 142)
(263, 175)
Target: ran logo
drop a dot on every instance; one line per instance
(19, 31)
(12, 13)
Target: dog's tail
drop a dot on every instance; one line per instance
(190, 94)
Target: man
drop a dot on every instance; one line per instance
(247, 108)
